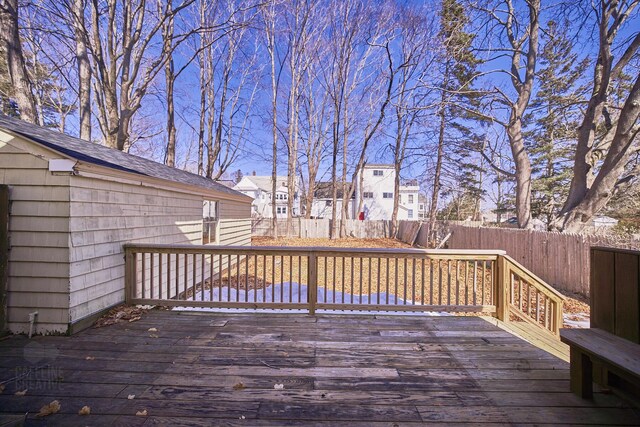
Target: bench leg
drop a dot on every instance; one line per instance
(581, 371)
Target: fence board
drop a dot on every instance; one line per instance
(560, 259)
(321, 228)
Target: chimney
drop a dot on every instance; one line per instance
(253, 173)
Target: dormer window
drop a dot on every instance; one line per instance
(378, 172)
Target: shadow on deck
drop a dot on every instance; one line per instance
(212, 369)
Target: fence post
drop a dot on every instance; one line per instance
(129, 274)
(312, 289)
(503, 280)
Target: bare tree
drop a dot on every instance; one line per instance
(77, 9)
(605, 137)
(12, 48)
(119, 41)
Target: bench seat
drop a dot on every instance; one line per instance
(589, 346)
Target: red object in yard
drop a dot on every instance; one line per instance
(361, 216)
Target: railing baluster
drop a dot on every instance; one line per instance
(388, 268)
(404, 296)
(151, 273)
(186, 272)
(422, 282)
(449, 282)
(144, 275)
(431, 281)
(457, 298)
(344, 284)
(369, 284)
(333, 284)
(378, 290)
(439, 282)
(475, 282)
(413, 281)
(352, 289)
(264, 278)
(202, 277)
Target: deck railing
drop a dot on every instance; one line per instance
(310, 279)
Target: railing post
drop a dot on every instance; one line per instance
(312, 289)
(129, 275)
(503, 282)
(557, 317)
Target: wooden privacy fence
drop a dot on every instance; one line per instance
(321, 228)
(311, 278)
(560, 259)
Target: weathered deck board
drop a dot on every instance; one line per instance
(336, 370)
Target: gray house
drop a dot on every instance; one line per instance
(73, 204)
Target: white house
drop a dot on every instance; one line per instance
(377, 194)
(260, 188)
(323, 201)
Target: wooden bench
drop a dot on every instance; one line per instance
(617, 356)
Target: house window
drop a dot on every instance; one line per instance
(281, 196)
(377, 172)
(410, 213)
(387, 195)
(367, 195)
(328, 202)
(410, 198)
(210, 210)
(281, 209)
(421, 207)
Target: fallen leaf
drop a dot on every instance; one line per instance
(242, 417)
(142, 413)
(21, 393)
(134, 319)
(153, 330)
(51, 408)
(1, 388)
(239, 386)
(89, 358)
(153, 336)
(131, 396)
(278, 386)
(84, 411)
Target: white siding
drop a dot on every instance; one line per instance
(38, 232)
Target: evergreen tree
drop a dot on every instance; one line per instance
(456, 140)
(554, 117)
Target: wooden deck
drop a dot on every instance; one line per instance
(224, 369)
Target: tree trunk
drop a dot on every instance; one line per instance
(433, 207)
(10, 37)
(84, 70)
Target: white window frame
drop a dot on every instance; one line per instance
(387, 195)
(410, 213)
(367, 194)
(378, 172)
(210, 222)
(411, 198)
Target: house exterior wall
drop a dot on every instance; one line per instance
(38, 274)
(379, 207)
(106, 214)
(67, 234)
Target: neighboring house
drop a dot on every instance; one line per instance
(260, 189)
(323, 201)
(73, 206)
(377, 194)
(422, 206)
